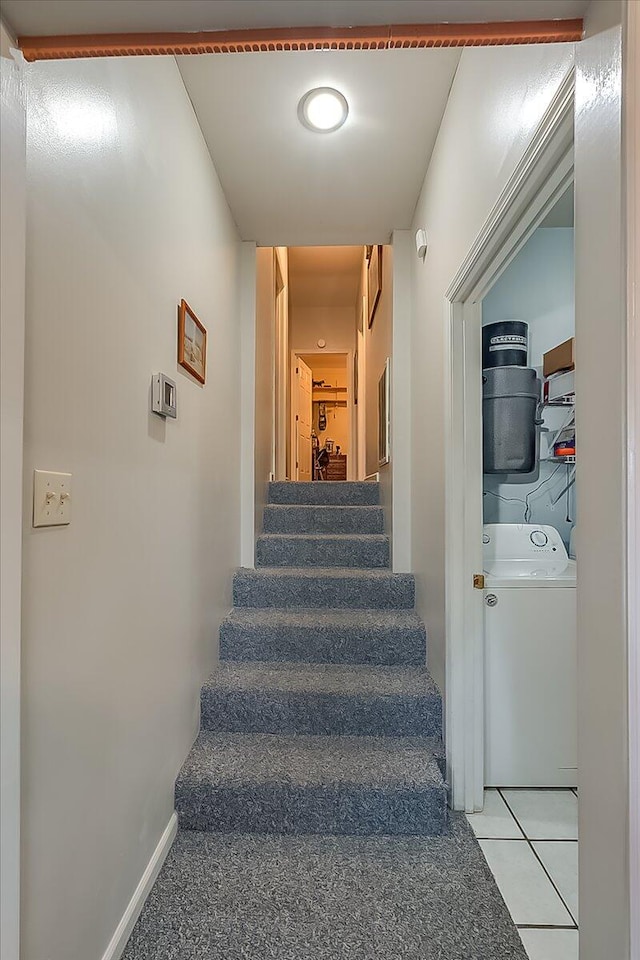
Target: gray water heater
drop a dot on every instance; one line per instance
(505, 343)
(511, 428)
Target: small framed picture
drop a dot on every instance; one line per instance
(192, 343)
(374, 280)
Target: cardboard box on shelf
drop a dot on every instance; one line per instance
(562, 357)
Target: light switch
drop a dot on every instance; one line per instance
(51, 498)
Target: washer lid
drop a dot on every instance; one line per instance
(538, 544)
(528, 573)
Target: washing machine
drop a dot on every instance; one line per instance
(530, 657)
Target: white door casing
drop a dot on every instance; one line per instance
(281, 378)
(632, 120)
(361, 405)
(12, 332)
(601, 496)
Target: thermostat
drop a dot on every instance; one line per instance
(163, 396)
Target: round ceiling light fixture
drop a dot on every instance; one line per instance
(323, 109)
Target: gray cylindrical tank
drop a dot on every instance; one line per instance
(510, 397)
(505, 343)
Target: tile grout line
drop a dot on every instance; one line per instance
(524, 837)
(535, 853)
(517, 839)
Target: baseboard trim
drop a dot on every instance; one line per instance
(123, 931)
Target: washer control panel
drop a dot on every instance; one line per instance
(538, 538)
(521, 541)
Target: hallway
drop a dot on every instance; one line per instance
(226, 698)
(322, 719)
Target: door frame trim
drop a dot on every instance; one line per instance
(632, 195)
(12, 339)
(281, 384)
(543, 174)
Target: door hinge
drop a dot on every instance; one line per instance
(297, 370)
(296, 416)
(478, 581)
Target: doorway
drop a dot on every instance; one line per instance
(529, 512)
(529, 483)
(322, 416)
(541, 179)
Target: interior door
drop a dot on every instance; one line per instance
(303, 420)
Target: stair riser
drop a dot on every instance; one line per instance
(286, 809)
(320, 714)
(343, 494)
(344, 520)
(344, 592)
(396, 647)
(339, 552)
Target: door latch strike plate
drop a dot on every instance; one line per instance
(478, 581)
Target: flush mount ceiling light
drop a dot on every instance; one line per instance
(323, 109)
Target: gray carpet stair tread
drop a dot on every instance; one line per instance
(407, 763)
(330, 509)
(244, 897)
(344, 492)
(322, 587)
(325, 537)
(371, 551)
(334, 573)
(309, 618)
(321, 700)
(324, 635)
(347, 679)
(317, 518)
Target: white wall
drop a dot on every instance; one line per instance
(12, 324)
(498, 97)
(335, 323)
(121, 608)
(537, 287)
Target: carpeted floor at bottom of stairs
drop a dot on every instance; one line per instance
(251, 897)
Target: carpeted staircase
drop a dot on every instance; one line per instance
(322, 718)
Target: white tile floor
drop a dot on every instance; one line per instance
(530, 840)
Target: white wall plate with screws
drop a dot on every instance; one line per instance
(51, 498)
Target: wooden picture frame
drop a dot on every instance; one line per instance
(192, 343)
(374, 281)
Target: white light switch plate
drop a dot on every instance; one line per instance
(51, 498)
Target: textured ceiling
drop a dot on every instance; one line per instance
(324, 276)
(41, 17)
(287, 185)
